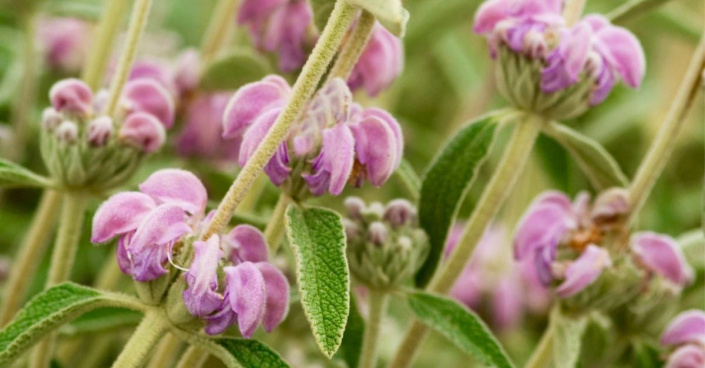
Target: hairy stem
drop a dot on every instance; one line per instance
(275, 227)
(572, 11)
(103, 43)
(326, 47)
(193, 357)
(138, 21)
(30, 252)
(217, 32)
(353, 47)
(165, 353)
(148, 333)
(378, 301)
(543, 354)
(501, 184)
(665, 141)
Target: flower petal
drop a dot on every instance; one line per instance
(687, 327)
(147, 95)
(662, 255)
(543, 225)
(277, 288)
(222, 319)
(120, 214)
(248, 244)
(247, 295)
(201, 297)
(689, 356)
(333, 165)
(625, 54)
(143, 131)
(178, 187)
(251, 101)
(584, 271)
(277, 168)
(376, 149)
(73, 96)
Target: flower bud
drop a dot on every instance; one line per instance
(688, 327)
(143, 131)
(99, 131)
(355, 206)
(64, 42)
(72, 96)
(381, 62)
(67, 132)
(611, 206)
(688, 356)
(50, 119)
(148, 96)
(400, 212)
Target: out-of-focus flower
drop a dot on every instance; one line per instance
(380, 63)
(661, 255)
(336, 142)
(279, 26)
(491, 279)
(687, 334)
(550, 68)
(64, 43)
(202, 133)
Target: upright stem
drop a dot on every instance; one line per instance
(30, 252)
(501, 184)
(573, 10)
(543, 354)
(275, 227)
(326, 47)
(103, 43)
(24, 102)
(217, 31)
(353, 47)
(378, 301)
(194, 357)
(148, 333)
(165, 353)
(138, 21)
(632, 9)
(665, 140)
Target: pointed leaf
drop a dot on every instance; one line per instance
(599, 166)
(232, 71)
(446, 184)
(317, 239)
(48, 311)
(409, 178)
(568, 332)
(351, 347)
(390, 13)
(14, 175)
(321, 12)
(252, 353)
(461, 326)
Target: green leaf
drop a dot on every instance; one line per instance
(234, 70)
(321, 12)
(351, 347)
(49, 310)
(14, 175)
(409, 178)
(461, 326)
(317, 238)
(103, 319)
(446, 184)
(693, 245)
(252, 354)
(599, 166)
(390, 13)
(568, 332)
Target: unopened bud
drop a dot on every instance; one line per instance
(143, 131)
(99, 131)
(355, 207)
(377, 233)
(50, 119)
(67, 132)
(611, 206)
(399, 212)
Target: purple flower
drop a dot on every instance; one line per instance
(688, 356)
(72, 96)
(64, 42)
(147, 95)
(143, 131)
(201, 297)
(687, 328)
(584, 271)
(380, 63)
(279, 26)
(201, 136)
(660, 254)
(149, 222)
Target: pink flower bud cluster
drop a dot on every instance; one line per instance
(168, 210)
(686, 333)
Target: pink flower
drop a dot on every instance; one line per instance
(201, 136)
(149, 222)
(143, 131)
(72, 96)
(64, 42)
(660, 254)
(584, 271)
(687, 333)
(279, 26)
(147, 95)
(380, 63)
(688, 356)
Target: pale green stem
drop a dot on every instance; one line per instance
(165, 353)
(138, 21)
(543, 354)
(572, 11)
(25, 99)
(314, 69)
(250, 202)
(148, 333)
(377, 300)
(110, 274)
(633, 9)
(193, 357)
(353, 47)
(30, 253)
(665, 140)
(103, 42)
(275, 227)
(501, 184)
(217, 33)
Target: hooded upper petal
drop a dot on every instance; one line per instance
(687, 327)
(333, 166)
(277, 289)
(621, 49)
(247, 244)
(178, 187)
(201, 297)
(147, 95)
(688, 356)
(544, 225)
(584, 271)
(278, 166)
(73, 96)
(380, 63)
(376, 148)
(143, 131)
(247, 295)
(251, 101)
(120, 214)
(662, 255)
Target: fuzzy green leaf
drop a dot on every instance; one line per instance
(390, 13)
(317, 238)
(568, 332)
(446, 183)
(48, 311)
(232, 71)
(14, 175)
(321, 12)
(599, 166)
(351, 347)
(461, 326)
(251, 354)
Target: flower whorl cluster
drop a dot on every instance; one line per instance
(385, 244)
(686, 333)
(491, 280)
(82, 146)
(380, 63)
(169, 213)
(336, 142)
(280, 26)
(573, 243)
(548, 67)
